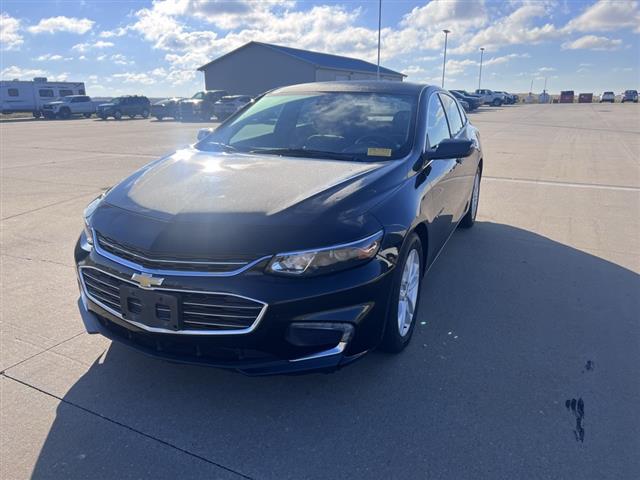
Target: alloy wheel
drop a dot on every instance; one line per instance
(408, 298)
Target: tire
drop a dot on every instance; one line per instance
(411, 258)
(469, 219)
(87, 115)
(132, 116)
(145, 113)
(64, 114)
(496, 103)
(37, 114)
(117, 115)
(102, 117)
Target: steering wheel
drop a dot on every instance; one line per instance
(373, 140)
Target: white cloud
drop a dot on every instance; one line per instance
(515, 28)
(546, 69)
(15, 72)
(118, 32)
(120, 59)
(139, 78)
(607, 15)
(593, 42)
(49, 57)
(84, 47)
(10, 38)
(504, 59)
(62, 24)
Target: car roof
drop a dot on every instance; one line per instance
(359, 86)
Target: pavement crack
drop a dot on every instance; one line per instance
(97, 192)
(41, 352)
(127, 427)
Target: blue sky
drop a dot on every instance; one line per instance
(155, 47)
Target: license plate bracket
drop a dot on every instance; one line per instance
(151, 308)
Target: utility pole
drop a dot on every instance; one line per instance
(444, 62)
(480, 74)
(379, 28)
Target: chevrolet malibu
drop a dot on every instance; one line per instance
(295, 237)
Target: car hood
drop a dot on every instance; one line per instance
(106, 105)
(57, 102)
(194, 101)
(202, 204)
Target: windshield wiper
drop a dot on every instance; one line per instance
(224, 146)
(304, 152)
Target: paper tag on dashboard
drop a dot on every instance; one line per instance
(379, 152)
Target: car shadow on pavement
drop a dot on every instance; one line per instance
(508, 321)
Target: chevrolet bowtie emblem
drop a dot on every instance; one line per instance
(147, 281)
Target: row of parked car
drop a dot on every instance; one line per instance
(483, 96)
(202, 106)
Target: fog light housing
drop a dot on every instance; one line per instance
(318, 334)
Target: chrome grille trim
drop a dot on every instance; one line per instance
(177, 273)
(116, 313)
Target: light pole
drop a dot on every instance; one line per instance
(480, 75)
(379, 27)
(444, 62)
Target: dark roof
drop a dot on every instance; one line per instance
(375, 86)
(325, 60)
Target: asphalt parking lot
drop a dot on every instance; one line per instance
(524, 363)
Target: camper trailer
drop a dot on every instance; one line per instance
(29, 96)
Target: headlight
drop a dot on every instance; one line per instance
(326, 260)
(88, 211)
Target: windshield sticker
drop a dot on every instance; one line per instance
(379, 152)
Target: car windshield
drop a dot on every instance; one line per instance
(337, 125)
(116, 101)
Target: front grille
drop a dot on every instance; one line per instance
(197, 311)
(156, 261)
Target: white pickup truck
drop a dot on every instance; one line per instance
(489, 97)
(70, 105)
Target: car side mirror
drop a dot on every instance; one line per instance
(450, 148)
(204, 133)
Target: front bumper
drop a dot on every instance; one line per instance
(351, 304)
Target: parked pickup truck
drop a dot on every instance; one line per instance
(200, 106)
(227, 106)
(70, 105)
(490, 97)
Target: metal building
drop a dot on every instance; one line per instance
(257, 67)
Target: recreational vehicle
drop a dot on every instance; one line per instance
(31, 95)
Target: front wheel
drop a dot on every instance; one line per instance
(496, 103)
(87, 115)
(469, 219)
(405, 297)
(145, 113)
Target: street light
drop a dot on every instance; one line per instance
(480, 75)
(444, 62)
(379, 28)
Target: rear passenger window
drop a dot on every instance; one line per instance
(453, 115)
(46, 92)
(13, 92)
(437, 128)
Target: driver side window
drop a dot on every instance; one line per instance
(437, 127)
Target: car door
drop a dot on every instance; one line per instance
(462, 173)
(438, 203)
(126, 106)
